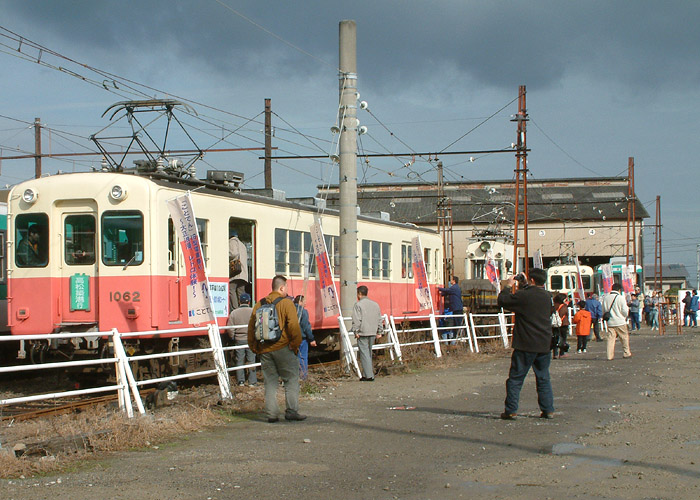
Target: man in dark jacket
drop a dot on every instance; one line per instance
(453, 305)
(532, 334)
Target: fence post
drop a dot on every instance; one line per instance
(350, 356)
(471, 322)
(436, 336)
(394, 336)
(467, 332)
(219, 361)
(124, 370)
(504, 330)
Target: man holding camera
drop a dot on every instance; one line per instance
(532, 333)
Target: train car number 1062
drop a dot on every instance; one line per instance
(125, 296)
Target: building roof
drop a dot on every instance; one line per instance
(572, 200)
(668, 271)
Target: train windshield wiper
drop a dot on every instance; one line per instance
(130, 261)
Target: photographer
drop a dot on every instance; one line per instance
(532, 334)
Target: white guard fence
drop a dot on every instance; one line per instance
(459, 330)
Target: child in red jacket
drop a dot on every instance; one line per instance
(582, 320)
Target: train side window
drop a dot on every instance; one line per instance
(122, 238)
(336, 255)
(171, 245)
(406, 260)
(365, 258)
(202, 226)
(280, 251)
(426, 259)
(3, 262)
(32, 235)
(79, 234)
(296, 255)
(386, 260)
(309, 250)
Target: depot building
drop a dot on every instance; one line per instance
(566, 217)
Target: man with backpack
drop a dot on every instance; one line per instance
(274, 334)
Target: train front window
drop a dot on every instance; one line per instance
(122, 238)
(32, 237)
(79, 232)
(556, 282)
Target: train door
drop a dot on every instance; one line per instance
(78, 263)
(242, 248)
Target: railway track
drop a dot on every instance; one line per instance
(38, 409)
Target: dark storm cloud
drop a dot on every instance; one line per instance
(641, 44)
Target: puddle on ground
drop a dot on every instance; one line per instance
(565, 448)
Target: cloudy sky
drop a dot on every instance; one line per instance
(606, 80)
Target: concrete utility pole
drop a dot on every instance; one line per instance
(444, 222)
(347, 182)
(268, 144)
(631, 219)
(37, 148)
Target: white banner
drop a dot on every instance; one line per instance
(329, 295)
(420, 276)
(199, 304)
(537, 260)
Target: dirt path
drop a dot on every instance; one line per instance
(624, 429)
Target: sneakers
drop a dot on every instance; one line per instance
(241, 383)
(580, 351)
(585, 350)
(293, 415)
(547, 414)
(272, 420)
(366, 379)
(508, 416)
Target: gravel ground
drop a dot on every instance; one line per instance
(624, 429)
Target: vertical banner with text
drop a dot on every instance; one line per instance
(606, 270)
(537, 260)
(421, 276)
(579, 282)
(329, 295)
(627, 283)
(199, 305)
(492, 271)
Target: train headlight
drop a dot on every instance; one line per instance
(30, 195)
(118, 193)
(484, 247)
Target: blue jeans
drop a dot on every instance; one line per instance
(303, 359)
(520, 363)
(634, 320)
(654, 318)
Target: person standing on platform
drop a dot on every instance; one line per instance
(238, 269)
(633, 306)
(694, 303)
(560, 345)
(279, 359)
(307, 336)
(582, 320)
(615, 304)
(453, 303)
(532, 334)
(367, 327)
(593, 306)
(241, 316)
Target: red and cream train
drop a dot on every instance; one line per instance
(94, 251)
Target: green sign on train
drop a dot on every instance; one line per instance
(80, 292)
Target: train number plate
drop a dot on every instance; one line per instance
(125, 296)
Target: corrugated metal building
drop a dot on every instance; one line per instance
(587, 217)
